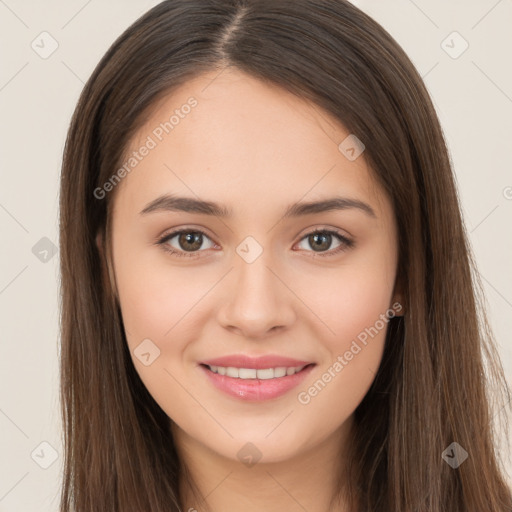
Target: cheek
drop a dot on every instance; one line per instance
(349, 301)
(354, 307)
(154, 298)
(156, 307)
(165, 305)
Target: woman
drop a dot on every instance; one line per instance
(267, 288)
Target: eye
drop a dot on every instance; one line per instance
(323, 238)
(189, 241)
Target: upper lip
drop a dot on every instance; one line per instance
(258, 363)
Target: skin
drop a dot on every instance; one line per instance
(256, 149)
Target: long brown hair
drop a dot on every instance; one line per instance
(440, 381)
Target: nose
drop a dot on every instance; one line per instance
(257, 301)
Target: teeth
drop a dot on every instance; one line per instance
(231, 372)
(245, 373)
(252, 373)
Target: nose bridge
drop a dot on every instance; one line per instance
(256, 287)
(252, 261)
(257, 300)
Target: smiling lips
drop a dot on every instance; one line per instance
(255, 378)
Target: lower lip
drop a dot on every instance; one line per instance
(256, 390)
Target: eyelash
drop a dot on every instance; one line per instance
(346, 243)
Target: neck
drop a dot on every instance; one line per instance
(308, 481)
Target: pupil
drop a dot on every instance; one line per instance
(190, 238)
(325, 237)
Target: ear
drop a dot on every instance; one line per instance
(107, 270)
(397, 303)
(99, 241)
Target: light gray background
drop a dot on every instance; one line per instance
(472, 94)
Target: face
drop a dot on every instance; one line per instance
(306, 288)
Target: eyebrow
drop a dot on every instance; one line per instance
(168, 202)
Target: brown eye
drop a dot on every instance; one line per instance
(321, 240)
(188, 242)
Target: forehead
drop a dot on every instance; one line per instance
(230, 137)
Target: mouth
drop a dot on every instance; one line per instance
(256, 384)
(256, 373)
